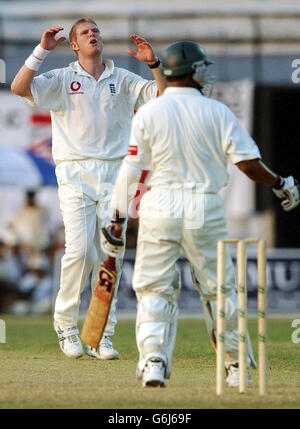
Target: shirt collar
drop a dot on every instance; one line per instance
(109, 68)
(182, 90)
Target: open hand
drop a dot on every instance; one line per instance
(145, 52)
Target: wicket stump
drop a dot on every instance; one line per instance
(242, 312)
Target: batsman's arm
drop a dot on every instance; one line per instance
(285, 188)
(258, 172)
(22, 81)
(139, 158)
(125, 188)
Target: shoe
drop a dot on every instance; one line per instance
(105, 350)
(69, 341)
(233, 376)
(154, 373)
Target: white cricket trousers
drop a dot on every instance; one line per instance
(172, 221)
(84, 189)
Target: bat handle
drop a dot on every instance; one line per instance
(118, 229)
(110, 263)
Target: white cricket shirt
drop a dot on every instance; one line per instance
(185, 139)
(90, 119)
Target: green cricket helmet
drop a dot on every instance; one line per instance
(179, 58)
(186, 57)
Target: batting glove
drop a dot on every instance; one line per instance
(288, 190)
(111, 241)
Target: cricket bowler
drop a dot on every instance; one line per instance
(92, 103)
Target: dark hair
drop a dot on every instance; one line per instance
(177, 78)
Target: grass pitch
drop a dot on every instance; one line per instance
(35, 374)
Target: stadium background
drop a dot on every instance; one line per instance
(255, 45)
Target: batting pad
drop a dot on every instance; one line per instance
(156, 328)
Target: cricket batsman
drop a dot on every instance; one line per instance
(92, 103)
(185, 139)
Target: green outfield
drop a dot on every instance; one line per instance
(35, 374)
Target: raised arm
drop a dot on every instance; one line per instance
(146, 54)
(22, 81)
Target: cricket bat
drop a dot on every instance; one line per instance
(99, 307)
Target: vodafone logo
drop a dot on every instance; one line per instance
(75, 87)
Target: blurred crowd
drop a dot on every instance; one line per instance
(28, 250)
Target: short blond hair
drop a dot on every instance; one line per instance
(72, 34)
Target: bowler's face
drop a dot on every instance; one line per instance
(88, 40)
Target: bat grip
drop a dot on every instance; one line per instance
(118, 228)
(110, 262)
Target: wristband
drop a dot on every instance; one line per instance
(33, 63)
(279, 183)
(35, 60)
(40, 52)
(155, 65)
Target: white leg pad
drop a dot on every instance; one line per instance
(156, 328)
(231, 333)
